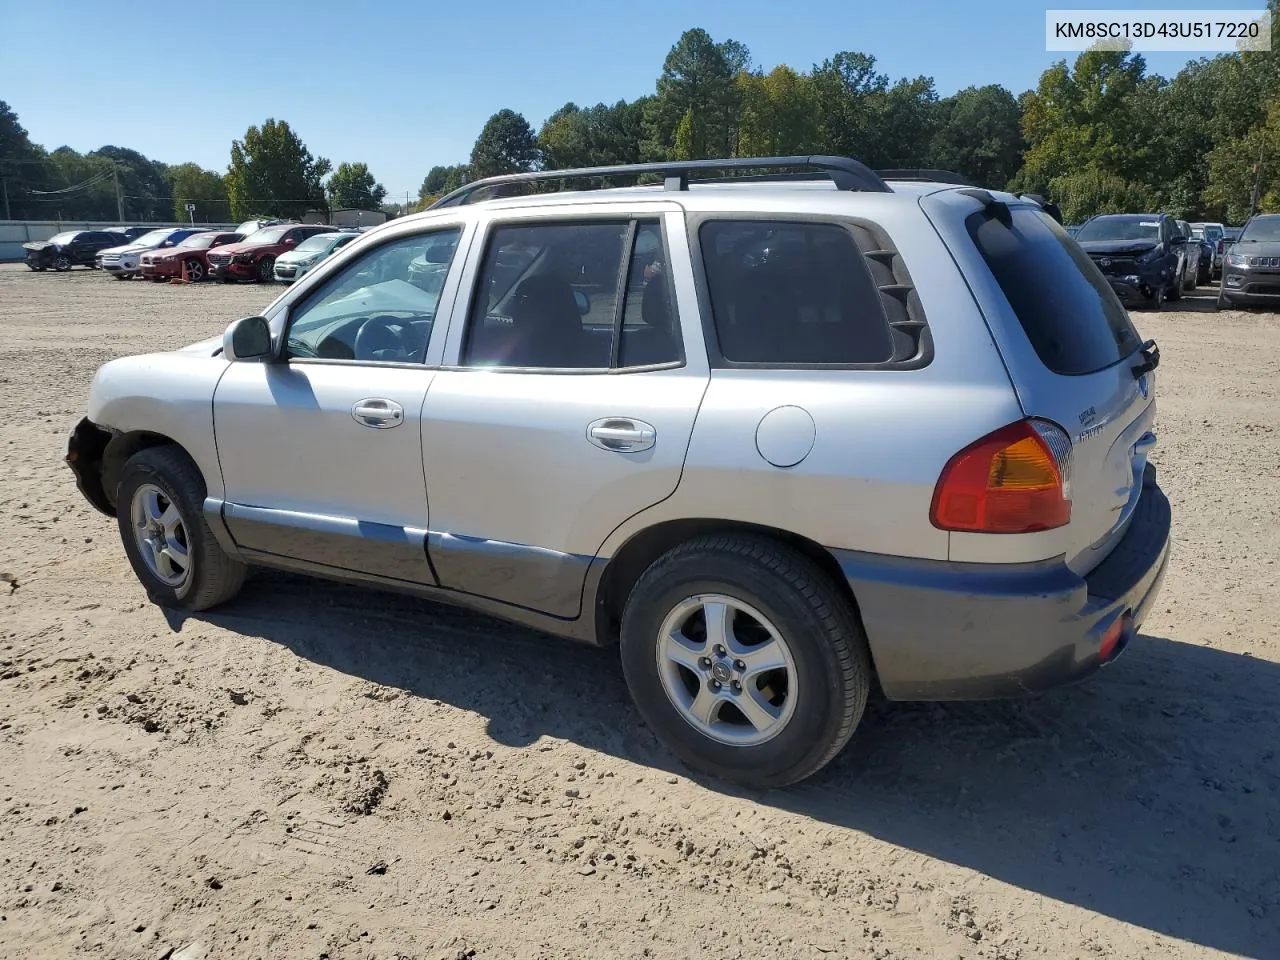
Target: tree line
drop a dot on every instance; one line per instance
(1098, 135)
(271, 173)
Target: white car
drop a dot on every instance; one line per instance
(125, 261)
(293, 264)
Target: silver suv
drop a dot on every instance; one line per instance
(785, 439)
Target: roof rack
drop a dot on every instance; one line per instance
(845, 172)
(931, 176)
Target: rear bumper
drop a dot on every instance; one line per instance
(959, 631)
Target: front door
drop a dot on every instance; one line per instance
(569, 408)
(321, 451)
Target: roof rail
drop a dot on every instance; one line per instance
(845, 172)
(932, 176)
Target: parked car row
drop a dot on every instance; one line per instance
(256, 251)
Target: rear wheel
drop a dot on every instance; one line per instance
(266, 269)
(745, 659)
(176, 557)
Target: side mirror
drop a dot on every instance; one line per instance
(248, 338)
(288, 241)
(584, 305)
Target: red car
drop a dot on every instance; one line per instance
(188, 256)
(254, 258)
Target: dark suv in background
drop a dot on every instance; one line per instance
(1142, 255)
(68, 249)
(1251, 268)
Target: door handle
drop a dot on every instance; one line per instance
(377, 413)
(621, 434)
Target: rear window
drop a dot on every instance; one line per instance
(1070, 314)
(793, 293)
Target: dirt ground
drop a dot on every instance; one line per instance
(319, 771)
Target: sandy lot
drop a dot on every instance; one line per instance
(316, 771)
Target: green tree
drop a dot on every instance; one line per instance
(1087, 117)
(778, 113)
(189, 182)
(592, 136)
(978, 135)
(845, 90)
(696, 93)
(144, 184)
(352, 187)
(24, 167)
(1085, 193)
(506, 145)
(272, 173)
(444, 180)
(1232, 173)
(903, 119)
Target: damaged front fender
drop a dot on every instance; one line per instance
(85, 450)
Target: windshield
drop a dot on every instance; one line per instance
(1082, 327)
(1120, 228)
(64, 237)
(198, 241)
(153, 239)
(1261, 229)
(267, 235)
(317, 244)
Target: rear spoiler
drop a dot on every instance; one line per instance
(1000, 211)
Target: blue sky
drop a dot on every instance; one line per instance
(403, 85)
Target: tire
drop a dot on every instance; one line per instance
(1203, 273)
(1193, 278)
(211, 576)
(266, 269)
(120, 276)
(1174, 290)
(193, 269)
(825, 682)
(62, 263)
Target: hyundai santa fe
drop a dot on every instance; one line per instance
(784, 441)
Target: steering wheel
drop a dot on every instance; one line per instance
(379, 334)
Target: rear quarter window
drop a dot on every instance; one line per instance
(1069, 312)
(802, 293)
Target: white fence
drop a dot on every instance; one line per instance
(14, 233)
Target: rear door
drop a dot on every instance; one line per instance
(554, 421)
(1071, 350)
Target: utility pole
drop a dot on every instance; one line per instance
(115, 176)
(1257, 183)
(4, 182)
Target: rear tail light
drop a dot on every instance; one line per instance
(1015, 480)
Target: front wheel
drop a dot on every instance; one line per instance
(62, 263)
(176, 557)
(745, 660)
(266, 269)
(193, 269)
(1174, 290)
